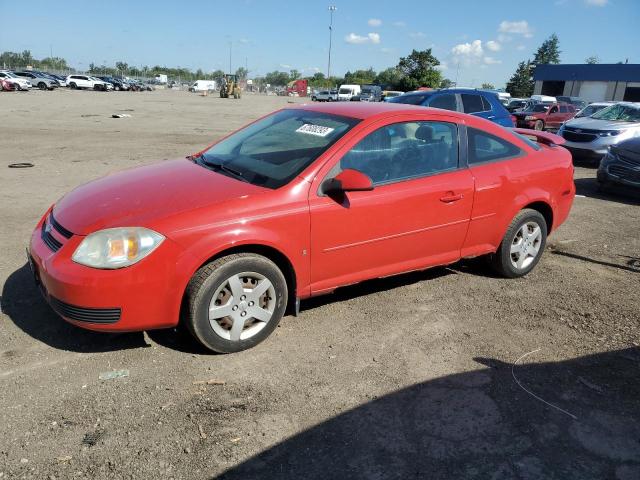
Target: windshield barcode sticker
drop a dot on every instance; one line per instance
(317, 130)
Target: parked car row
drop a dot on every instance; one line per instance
(354, 93)
(25, 80)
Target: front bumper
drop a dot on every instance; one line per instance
(144, 296)
(620, 173)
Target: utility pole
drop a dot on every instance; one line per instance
(230, 45)
(332, 8)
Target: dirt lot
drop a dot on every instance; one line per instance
(408, 377)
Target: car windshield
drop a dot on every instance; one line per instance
(9, 75)
(410, 99)
(274, 150)
(345, 90)
(539, 108)
(619, 113)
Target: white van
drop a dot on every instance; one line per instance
(543, 99)
(347, 91)
(203, 85)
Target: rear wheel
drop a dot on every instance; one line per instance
(73, 86)
(42, 86)
(235, 302)
(539, 125)
(522, 245)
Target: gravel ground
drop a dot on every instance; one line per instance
(405, 377)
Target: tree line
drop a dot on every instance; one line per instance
(418, 69)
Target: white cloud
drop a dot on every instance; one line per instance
(520, 27)
(244, 41)
(520, 47)
(473, 53)
(374, 22)
(386, 50)
(493, 46)
(442, 66)
(355, 39)
(596, 3)
(473, 49)
(417, 35)
(399, 24)
(504, 38)
(285, 66)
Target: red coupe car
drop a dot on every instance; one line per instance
(296, 204)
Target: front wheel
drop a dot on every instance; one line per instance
(235, 302)
(522, 245)
(539, 125)
(42, 86)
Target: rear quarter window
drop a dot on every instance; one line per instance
(484, 147)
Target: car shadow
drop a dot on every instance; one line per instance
(619, 193)
(23, 303)
(573, 419)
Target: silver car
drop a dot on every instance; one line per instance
(590, 137)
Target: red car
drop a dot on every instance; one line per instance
(297, 204)
(7, 85)
(542, 116)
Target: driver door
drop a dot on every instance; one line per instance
(416, 216)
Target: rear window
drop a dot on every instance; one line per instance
(472, 103)
(484, 147)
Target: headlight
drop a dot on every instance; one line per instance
(529, 118)
(609, 133)
(116, 247)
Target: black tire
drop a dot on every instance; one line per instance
(117, 88)
(42, 86)
(539, 125)
(210, 279)
(73, 86)
(501, 261)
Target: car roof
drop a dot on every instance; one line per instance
(364, 110)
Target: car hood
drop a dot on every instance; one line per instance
(595, 124)
(145, 195)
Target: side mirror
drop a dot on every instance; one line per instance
(348, 180)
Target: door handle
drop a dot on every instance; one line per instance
(450, 198)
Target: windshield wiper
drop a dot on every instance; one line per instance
(221, 166)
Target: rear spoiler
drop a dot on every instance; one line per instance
(538, 136)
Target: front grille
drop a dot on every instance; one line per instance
(578, 137)
(59, 228)
(625, 173)
(49, 239)
(85, 314)
(628, 158)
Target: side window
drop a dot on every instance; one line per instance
(563, 109)
(403, 151)
(484, 147)
(446, 102)
(472, 103)
(553, 110)
(485, 104)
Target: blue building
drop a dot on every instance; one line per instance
(593, 83)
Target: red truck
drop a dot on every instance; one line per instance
(540, 116)
(298, 87)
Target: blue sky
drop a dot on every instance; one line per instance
(477, 41)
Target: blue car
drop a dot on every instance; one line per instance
(467, 100)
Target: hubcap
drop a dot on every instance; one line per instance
(242, 306)
(525, 245)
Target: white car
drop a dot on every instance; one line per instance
(87, 81)
(22, 83)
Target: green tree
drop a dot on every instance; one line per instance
(360, 77)
(389, 78)
(446, 83)
(418, 70)
(294, 74)
(548, 52)
(122, 66)
(521, 82)
(592, 60)
(242, 73)
(277, 78)
(488, 86)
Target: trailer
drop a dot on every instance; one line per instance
(297, 88)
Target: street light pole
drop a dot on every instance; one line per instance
(332, 8)
(230, 45)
